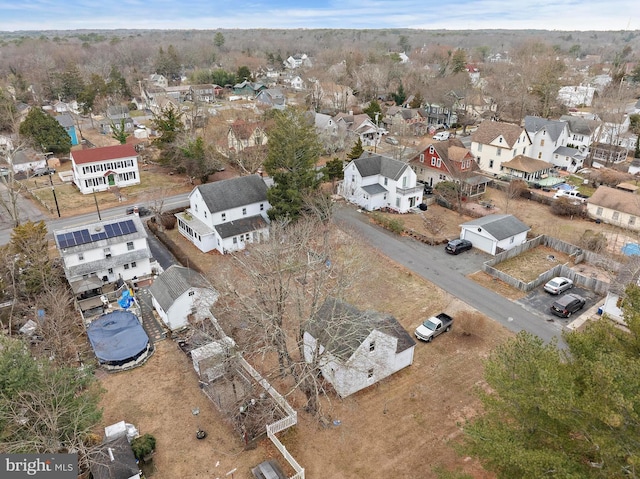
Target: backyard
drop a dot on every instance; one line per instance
(385, 421)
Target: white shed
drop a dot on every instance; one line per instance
(180, 292)
(493, 232)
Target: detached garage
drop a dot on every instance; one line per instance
(495, 233)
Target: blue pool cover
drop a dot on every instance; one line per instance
(631, 249)
(117, 337)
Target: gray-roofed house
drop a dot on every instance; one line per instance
(375, 181)
(180, 292)
(546, 136)
(272, 97)
(104, 251)
(355, 349)
(226, 215)
(114, 460)
(66, 121)
(495, 233)
(117, 115)
(527, 169)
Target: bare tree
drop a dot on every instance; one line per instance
(287, 279)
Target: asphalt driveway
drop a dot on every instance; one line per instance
(539, 302)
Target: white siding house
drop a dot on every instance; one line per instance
(355, 349)
(108, 250)
(226, 215)
(98, 169)
(494, 143)
(180, 292)
(492, 233)
(375, 181)
(616, 207)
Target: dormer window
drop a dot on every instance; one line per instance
(224, 217)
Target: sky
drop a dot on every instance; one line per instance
(571, 15)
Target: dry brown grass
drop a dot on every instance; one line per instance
(497, 286)
(530, 264)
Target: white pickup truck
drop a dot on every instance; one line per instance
(434, 326)
(572, 195)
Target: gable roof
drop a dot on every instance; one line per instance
(370, 165)
(232, 193)
(488, 131)
(616, 200)
(341, 328)
(65, 120)
(122, 466)
(499, 226)
(527, 164)
(579, 125)
(174, 282)
(93, 155)
(534, 124)
(242, 129)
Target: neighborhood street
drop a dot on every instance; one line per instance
(447, 272)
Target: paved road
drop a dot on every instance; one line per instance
(447, 272)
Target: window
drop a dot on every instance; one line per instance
(110, 271)
(126, 266)
(512, 239)
(541, 142)
(498, 151)
(439, 163)
(261, 206)
(224, 217)
(80, 256)
(539, 154)
(244, 211)
(599, 211)
(632, 220)
(205, 214)
(490, 163)
(130, 246)
(386, 180)
(235, 240)
(421, 157)
(191, 293)
(433, 161)
(353, 178)
(133, 264)
(372, 346)
(615, 215)
(397, 202)
(479, 147)
(370, 373)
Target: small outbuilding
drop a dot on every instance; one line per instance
(180, 292)
(495, 233)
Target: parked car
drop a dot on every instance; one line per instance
(558, 285)
(441, 136)
(568, 304)
(457, 246)
(139, 210)
(391, 140)
(43, 171)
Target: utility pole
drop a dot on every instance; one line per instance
(97, 207)
(55, 198)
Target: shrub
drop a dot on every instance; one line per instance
(143, 446)
(564, 207)
(593, 241)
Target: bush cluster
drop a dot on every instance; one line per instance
(392, 224)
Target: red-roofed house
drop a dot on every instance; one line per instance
(98, 169)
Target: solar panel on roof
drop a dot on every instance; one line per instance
(77, 236)
(109, 230)
(117, 228)
(70, 239)
(61, 241)
(131, 225)
(86, 237)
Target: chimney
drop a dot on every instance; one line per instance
(111, 454)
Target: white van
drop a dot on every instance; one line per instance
(443, 135)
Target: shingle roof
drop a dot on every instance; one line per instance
(490, 130)
(241, 226)
(93, 155)
(534, 124)
(232, 193)
(374, 189)
(174, 282)
(499, 226)
(566, 151)
(578, 124)
(123, 464)
(527, 164)
(616, 200)
(341, 328)
(65, 120)
(370, 165)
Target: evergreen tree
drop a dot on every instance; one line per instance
(45, 132)
(372, 109)
(118, 132)
(399, 96)
(294, 149)
(218, 40)
(557, 413)
(356, 151)
(417, 101)
(243, 74)
(169, 124)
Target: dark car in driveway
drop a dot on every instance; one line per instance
(457, 246)
(568, 304)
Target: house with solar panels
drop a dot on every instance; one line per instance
(103, 252)
(98, 169)
(226, 215)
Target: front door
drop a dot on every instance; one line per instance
(112, 180)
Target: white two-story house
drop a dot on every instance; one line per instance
(104, 252)
(495, 142)
(376, 181)
(98, 169)
(226, 215)
(551, 142)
